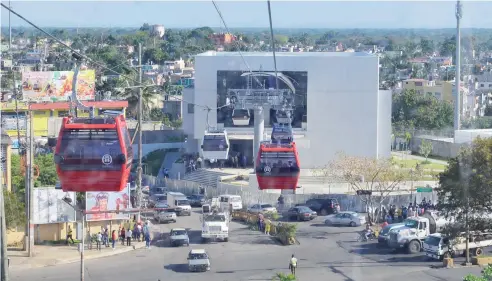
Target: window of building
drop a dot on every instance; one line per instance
(418, 84)
(39, 113)
(63, 113)
(191, 108)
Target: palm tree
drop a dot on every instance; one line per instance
(150, 99)
(283, 277)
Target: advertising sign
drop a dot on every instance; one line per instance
(104, 201)
(9, 122)
(57, 85)
(49, 207)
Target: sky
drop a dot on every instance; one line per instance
(285, 14)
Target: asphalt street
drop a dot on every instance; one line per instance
(324, 253)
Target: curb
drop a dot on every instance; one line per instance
(77, 259)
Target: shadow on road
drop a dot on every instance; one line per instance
(178, 268)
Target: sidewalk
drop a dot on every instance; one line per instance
(55, 255)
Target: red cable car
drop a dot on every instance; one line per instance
(94, 154)
(277, 166)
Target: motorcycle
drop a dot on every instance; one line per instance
(362, 237)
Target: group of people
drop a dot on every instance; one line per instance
(264, 224)
(133, 231)
(395, 214)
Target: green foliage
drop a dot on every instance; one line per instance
(47, 172)
(478, 123)
(14, 210)
(411, 110)
(465, 187)
(153, 160)
(486, 275)
(425, 148)
(284, 277)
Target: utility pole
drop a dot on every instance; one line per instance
(82, 246)
(29, 203)
(457, 105)
(140, 111)
(4, 259)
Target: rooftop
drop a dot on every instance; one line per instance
(285, 54)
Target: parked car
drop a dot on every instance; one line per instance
(164, 215)
(346, 218)
(323, 206)
(178, 237)
(196, 200)
(301, 213)
(157, 190)
(262, 208)
(198, 260)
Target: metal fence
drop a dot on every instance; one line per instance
(252, 196)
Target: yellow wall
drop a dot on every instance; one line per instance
(40, 118)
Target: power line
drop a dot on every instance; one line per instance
(237, 43)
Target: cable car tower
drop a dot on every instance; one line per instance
(257, 97)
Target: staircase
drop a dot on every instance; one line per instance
(205, 177)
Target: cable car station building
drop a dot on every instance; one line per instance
(334, 101)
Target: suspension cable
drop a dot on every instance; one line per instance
(273, 44)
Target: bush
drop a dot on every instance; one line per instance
(284, 277)
(272, 216)
(286, 233)
(486, 275)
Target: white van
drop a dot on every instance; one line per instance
(235, 200)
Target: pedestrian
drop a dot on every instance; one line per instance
(113, 238)
(122, 236)
(293, 265)
(267, 227)
(98, 241)
(128, 236)
(69, 235)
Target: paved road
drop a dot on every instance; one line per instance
(325, 253)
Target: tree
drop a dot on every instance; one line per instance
(368, 174)
(15, 215)
(47, 172)
(425, 149)
(427, 46)
(465, 189)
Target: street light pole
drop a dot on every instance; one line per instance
(139, 120)
(4, 273)
(82, 248)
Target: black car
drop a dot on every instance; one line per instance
(323, 206)
(196, 200)
(301, 213)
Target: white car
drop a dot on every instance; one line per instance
(198, 260)
(262, 208)
(346, 218)
(164, 215)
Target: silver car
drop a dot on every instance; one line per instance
(166, 215)
(198, 260)
(346, 218)
(262, 208)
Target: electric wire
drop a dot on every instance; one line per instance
(94, 61)
(273, 44)
(235, 41)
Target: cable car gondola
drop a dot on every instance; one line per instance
(94, 154)
(283, 117)
(240, 117)
(215, 145)
(282, 134)
(277, 166)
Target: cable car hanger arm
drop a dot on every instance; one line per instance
(74, 99)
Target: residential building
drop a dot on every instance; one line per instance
(442, 90)
(43, 112)
(223, 38)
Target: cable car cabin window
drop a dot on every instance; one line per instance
(214, 143)
(282, 135)
(277, 164)
(240, 113)
(89, 150)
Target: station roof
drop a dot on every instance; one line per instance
(285, 54)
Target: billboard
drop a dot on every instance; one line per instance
(9, 122)
(57, 85)
(104, 201)
(48, 206)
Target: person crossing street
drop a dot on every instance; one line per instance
(293, 265)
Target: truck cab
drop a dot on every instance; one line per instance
(179, 203)
(215, 225)
(411, 235)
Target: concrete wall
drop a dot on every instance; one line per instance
(440, 148)
(253, 196)
(159, 136)
(384, 129)
(343, 101)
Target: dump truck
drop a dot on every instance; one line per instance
(415, 230)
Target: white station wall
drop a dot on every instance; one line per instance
(343, 100)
